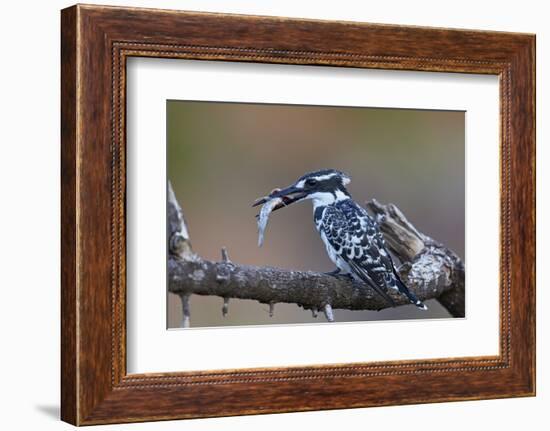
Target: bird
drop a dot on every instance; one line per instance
(352, 238)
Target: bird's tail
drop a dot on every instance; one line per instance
(412, 297)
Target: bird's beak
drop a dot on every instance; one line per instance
(288, 196)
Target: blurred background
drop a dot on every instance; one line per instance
(222, 156)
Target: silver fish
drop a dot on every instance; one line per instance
(263, 217)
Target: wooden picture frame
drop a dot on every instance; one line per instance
(95, 43)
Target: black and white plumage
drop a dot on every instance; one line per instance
(351, 236)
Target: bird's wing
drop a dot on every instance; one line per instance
(356, 239)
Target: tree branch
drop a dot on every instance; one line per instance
(429, 263)
(429, 269)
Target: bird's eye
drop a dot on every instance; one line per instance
(311, 182)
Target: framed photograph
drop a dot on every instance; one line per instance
(264, 215)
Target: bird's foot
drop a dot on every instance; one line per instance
(338, 273)
(358, 284)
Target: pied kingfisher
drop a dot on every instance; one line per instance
(351, 236)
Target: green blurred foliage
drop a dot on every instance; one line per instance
(222, 156)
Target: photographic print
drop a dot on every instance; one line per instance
(299, 214)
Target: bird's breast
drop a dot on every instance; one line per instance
(318, 213)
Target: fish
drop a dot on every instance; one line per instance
(269, 205)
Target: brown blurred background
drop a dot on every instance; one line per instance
(222, 156)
